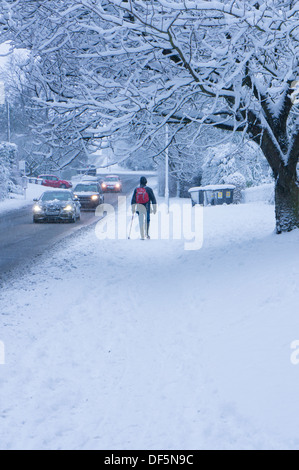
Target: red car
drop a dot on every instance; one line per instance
(54, 182)
(112, 183)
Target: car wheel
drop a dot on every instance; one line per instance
(63, 186)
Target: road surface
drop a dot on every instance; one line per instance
(21, 240)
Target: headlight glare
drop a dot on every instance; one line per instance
(37, 209)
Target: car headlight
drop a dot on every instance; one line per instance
(94, 197)
(117, 185)
(37, 209)
(68, 208)
(104, 185)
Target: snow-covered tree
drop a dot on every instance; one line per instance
(238, 180)
(100, 64)
(224, 160)
(44, 146)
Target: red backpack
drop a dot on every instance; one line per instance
(142, 196)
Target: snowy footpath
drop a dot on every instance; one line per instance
(129, 344)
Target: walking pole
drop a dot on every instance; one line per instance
(129, 237)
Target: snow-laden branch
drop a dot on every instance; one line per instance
(106, 64)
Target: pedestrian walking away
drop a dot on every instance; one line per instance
(143, 202)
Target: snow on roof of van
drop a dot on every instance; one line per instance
(212, 187)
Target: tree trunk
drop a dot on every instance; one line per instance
(287, 204)
(286, 187)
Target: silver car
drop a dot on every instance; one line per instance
(61, 206)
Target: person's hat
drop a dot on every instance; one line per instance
(143, 181)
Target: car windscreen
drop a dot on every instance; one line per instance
(59, 195)
(112, 178)
(86, 188)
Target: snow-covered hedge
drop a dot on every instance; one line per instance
(8, 169)
(264, 193)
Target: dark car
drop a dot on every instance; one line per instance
(90, 194)
(56, 206)
(111, 183)
(53, 181)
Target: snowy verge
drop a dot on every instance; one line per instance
(264, 192)
(33, 191)
(8, 205)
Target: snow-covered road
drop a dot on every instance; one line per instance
(123, 344)
(21, 240)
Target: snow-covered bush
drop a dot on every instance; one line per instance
(8, 169)
(4, 180)
(238, 180)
